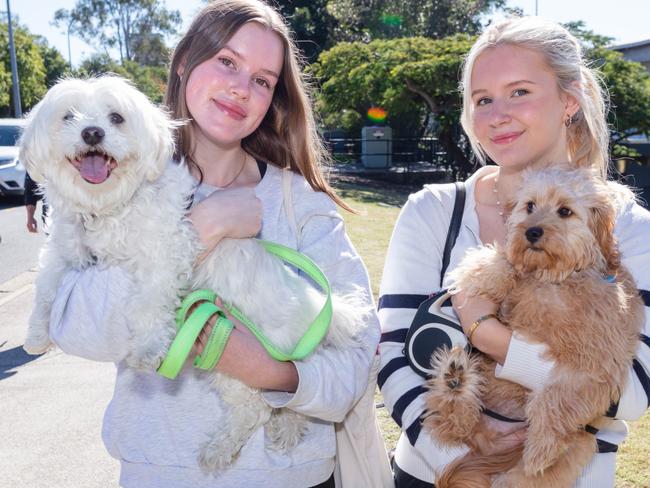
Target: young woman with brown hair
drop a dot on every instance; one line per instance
(250, 141)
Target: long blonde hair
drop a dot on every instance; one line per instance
(588, 134)
(287, 136)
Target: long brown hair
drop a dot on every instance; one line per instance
(287, 136)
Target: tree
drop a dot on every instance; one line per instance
(311, 23)
(55, 65)
(414, 79)
(135, 27)
(375, 19)
(31, 70)
(150, 80)
(627, 82)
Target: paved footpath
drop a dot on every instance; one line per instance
(51, 407)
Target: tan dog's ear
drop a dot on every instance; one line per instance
(509, 206)
(603, 217)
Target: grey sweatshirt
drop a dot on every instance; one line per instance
(155, 426)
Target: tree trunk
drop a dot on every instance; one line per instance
(428, 99)
(125, 18)
(461, 164)
(119, 41)
(459, 161)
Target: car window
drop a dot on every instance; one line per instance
(9, 135)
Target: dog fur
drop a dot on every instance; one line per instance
(552, 289)
(132, 214)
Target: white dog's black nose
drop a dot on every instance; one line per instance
(92, 135)
(534, 233)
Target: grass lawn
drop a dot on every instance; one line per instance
(379, 204)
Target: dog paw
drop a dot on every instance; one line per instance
(216, 457)
(454, 371)
(145, 361)
(37, 343)
(454, 398)
(284, 431)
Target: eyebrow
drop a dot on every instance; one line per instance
(517, 82)
(263, 70)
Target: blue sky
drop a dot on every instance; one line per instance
(625, 20)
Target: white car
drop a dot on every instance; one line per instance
(12, 172)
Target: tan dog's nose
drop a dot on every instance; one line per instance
(92, 135)
(533, 234)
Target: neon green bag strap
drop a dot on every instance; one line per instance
(317, 330)
(216, 344)
(190, 328)
(185, 338)
(194, 297)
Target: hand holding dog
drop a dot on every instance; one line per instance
(234, 213)
(245, 359)
(491, 337)
(505, 442)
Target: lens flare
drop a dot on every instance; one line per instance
(391, 20)
(377, 114)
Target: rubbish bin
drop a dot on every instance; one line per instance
(376, 147)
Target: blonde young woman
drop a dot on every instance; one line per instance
(529, 101)
(235, 76)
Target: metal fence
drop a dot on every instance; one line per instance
(403, 155)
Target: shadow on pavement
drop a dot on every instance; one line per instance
(11, 359)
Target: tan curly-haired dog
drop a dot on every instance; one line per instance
(559, 281)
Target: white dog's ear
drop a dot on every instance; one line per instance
(33, 144)
(163, 143)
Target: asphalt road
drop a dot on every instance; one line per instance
(51, 406)
(18, 248)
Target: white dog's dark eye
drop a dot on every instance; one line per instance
(565, 212)
(116, 118)
(68, 117)
(530, 207)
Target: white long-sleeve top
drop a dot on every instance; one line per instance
(412, 274)
(155, 426)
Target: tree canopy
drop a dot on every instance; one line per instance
(627, 83)
(39, 66)
(136, 28)
(150, 80)
(414, 79)
(384, 19)
(629, 91)
(311, 23)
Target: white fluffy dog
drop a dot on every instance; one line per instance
(103, 152)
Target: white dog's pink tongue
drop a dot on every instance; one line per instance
(94, 168)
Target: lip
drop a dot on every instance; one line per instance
(231, 109)
(506, 138)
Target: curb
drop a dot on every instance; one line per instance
(16, 286)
